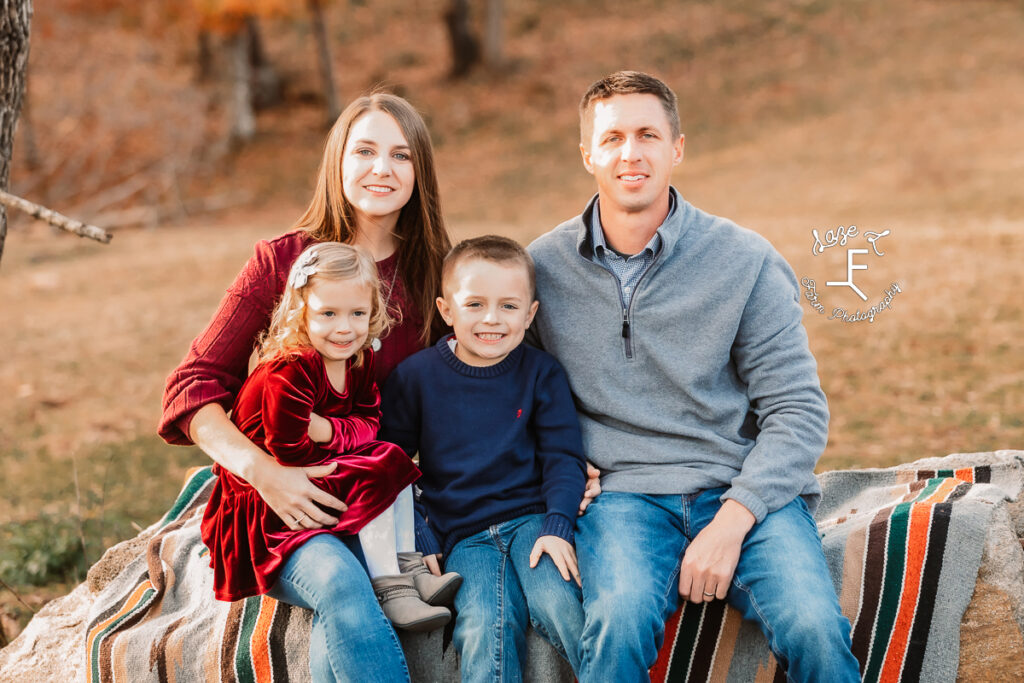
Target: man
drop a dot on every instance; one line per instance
(699, 402)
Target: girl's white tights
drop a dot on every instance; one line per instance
(390, 533)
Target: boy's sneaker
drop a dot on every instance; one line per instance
(404, 608)
(435, 590)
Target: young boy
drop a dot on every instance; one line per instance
(502, 459)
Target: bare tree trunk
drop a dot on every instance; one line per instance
(15, 22)
(323, 47)
(204, 56)
(465, 46)
(493, 39)
(266, 84)
(243, 125)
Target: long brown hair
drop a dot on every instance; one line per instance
(288, 333)
(422, 236)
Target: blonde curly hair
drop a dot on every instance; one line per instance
(288, 333)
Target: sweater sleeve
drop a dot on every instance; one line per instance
(362, 423)
(774, 360)
(288, 399)
(560, 452)
(400, 412)
(217, 361)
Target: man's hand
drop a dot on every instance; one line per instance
(320, 429)
(711, 558)
(293, 497)
(593, 488)
(433, 563)
(561, 552)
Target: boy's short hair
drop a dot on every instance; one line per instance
(627, 83)
(493, 248)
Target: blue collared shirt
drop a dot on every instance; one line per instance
(627, 269)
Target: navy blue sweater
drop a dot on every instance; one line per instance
(495, 442)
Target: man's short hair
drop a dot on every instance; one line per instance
(493, 248)
(627, 83)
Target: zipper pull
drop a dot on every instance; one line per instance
(625, 323)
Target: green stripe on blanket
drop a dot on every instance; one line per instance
(158, 621)
(895, 636)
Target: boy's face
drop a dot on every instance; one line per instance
(489, 306)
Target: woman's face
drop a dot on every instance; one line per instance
(377, 173)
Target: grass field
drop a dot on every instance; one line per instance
(798, 116)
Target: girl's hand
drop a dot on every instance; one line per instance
(433, 563)
(592, 490)
(561, 552)
(320, 429)
(293, 497)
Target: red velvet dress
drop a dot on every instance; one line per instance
(248, 542)
(218, 360)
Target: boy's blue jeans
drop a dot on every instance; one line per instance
(629, 548)
(501, 596)
(351, 639)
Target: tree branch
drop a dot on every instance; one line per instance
(53, 218)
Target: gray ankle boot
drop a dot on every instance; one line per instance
(435, 590)
(404, 608)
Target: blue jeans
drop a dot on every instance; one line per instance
(351, 639)
(630, 547)
(501, 596)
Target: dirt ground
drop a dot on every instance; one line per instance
(893, 117)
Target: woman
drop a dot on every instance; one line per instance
(376, 188)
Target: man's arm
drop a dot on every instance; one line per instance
(773, 359)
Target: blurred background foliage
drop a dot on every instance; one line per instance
(194, 127)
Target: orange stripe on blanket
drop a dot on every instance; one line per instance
(128, 606)
(965, 474)
(260, 641)
(942, 492)
(917, 549)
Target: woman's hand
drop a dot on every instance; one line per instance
(320, 429)
(287, 490)
(293, 497)
(561, 552)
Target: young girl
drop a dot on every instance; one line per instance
(316, 358)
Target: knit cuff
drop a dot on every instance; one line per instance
(426, 541)
(747, 499)
(559, 525)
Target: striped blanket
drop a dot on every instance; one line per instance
(894, 540)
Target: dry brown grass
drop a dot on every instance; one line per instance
(805, 115)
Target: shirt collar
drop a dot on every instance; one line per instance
(601, 244)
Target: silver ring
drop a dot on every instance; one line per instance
(708, 595)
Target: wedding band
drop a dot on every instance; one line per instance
(708, 595)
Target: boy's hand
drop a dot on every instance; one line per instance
(561, 552)
(593, 488)
(433, 563)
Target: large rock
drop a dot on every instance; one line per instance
(51, 648)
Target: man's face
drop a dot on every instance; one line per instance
(631, 151)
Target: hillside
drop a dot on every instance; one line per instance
(799, 115)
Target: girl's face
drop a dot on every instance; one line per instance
(338, 317)
(377, 173)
